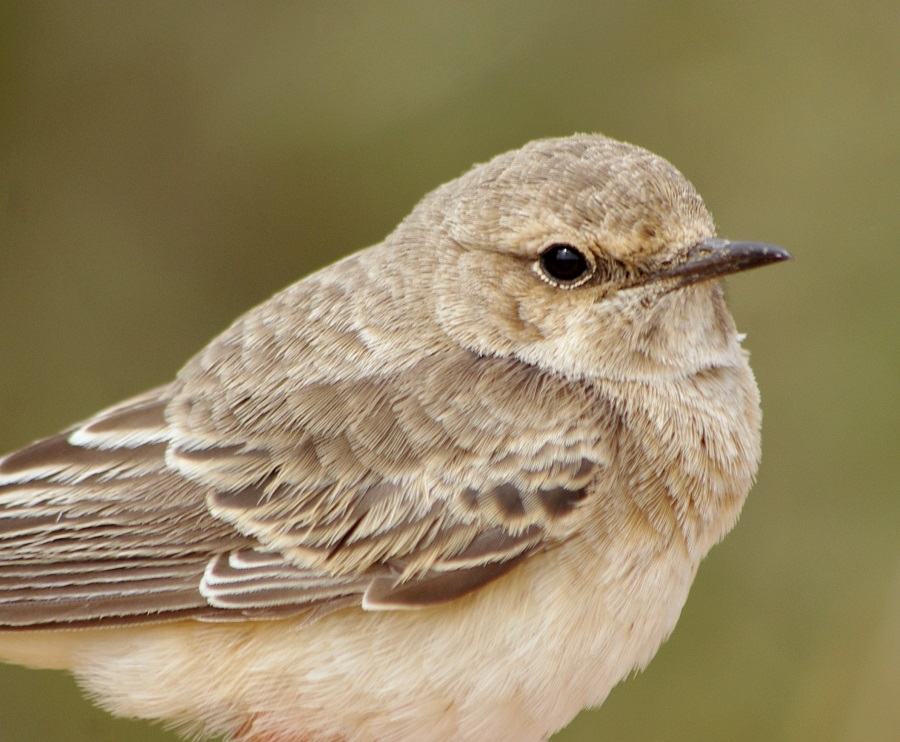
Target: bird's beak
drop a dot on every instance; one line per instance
(715, 257)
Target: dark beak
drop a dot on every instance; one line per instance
(715, 257)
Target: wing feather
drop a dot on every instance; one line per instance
(96, 529)
(212, 499)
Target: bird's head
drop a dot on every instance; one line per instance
(584, 256)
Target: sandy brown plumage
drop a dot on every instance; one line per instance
(414, 453)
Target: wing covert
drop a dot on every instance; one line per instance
(446, 473)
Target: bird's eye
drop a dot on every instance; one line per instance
(564, 264)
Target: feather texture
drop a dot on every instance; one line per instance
(390, 492)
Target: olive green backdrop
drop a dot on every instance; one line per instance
(165, 166)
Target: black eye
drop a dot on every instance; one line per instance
(564, 263)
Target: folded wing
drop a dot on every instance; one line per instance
(214, 500)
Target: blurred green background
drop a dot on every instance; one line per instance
(164, 166)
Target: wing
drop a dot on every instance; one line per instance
(97, 529)
(94, 525)
(229, 495)
(430, 483)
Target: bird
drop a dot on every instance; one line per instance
(454, 486)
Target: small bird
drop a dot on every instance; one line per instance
(454, 486)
